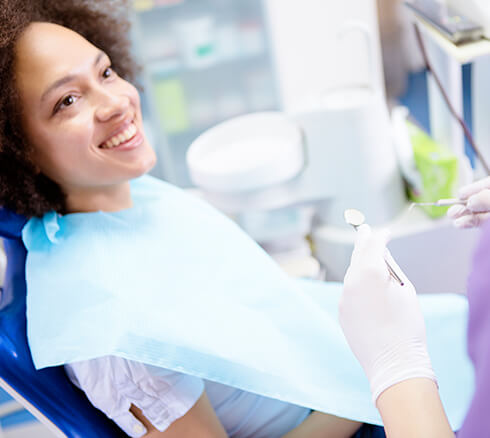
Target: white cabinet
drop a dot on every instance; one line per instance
(204, 61)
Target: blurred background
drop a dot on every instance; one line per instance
(210, 60)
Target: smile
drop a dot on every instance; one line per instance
(120, 138)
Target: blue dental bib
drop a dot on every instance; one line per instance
(173, 283)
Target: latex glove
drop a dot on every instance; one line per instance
(382, 320)
(477, 209)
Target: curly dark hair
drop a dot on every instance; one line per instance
(105, 24)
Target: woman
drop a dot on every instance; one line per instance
(71, 138)
(391, 347)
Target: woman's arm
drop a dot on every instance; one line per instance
(319, 425)
(199, 422)
(413, 409)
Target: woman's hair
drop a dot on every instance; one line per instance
(105, 24)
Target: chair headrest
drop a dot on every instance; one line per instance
(11, 224)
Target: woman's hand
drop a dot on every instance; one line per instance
(381, 319)
(477, 209)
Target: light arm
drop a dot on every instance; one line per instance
(319, 425)
(413, 409)
(199, 422)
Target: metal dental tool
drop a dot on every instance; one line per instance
(441, 202)
(355, 218)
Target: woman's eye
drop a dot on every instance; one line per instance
(107, 73)
(65, 102)
(68, 100)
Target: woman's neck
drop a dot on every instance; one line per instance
(108, 198)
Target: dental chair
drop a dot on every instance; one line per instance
(47, 394)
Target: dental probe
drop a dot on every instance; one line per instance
(441, 202)
(355, 218)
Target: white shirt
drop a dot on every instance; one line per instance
(112, 384)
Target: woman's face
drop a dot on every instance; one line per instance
(83, 121)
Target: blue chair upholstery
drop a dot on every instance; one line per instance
(48, 390)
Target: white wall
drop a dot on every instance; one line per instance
(309, 57)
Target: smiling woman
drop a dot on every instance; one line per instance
(84, 122)
(80, 107)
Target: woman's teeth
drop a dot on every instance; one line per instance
(126, 135)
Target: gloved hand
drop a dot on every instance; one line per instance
(477, 209)
(381, 319)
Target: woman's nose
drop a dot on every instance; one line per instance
(111, 106)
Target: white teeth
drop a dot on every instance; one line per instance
(127, 134)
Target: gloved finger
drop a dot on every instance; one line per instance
(363, 234)
(456, 211)
(480, 202)
(472, 220)
(466, 191)
(369, 247)
(362, 237)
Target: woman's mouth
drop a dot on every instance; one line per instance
(122, 138)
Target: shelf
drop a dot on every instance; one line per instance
(463, 53)
(165, 68)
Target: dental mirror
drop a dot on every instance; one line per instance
(354, 217)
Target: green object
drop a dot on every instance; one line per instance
(171, 105)
(142, 5)
(438, 168)
(205, 50)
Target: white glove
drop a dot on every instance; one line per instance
(477, 209)
(381, 319)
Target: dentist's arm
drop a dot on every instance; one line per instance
(413, 409)
(385, 329)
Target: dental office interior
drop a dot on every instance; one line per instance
(283, 114)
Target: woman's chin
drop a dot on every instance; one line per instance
(145, 163)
